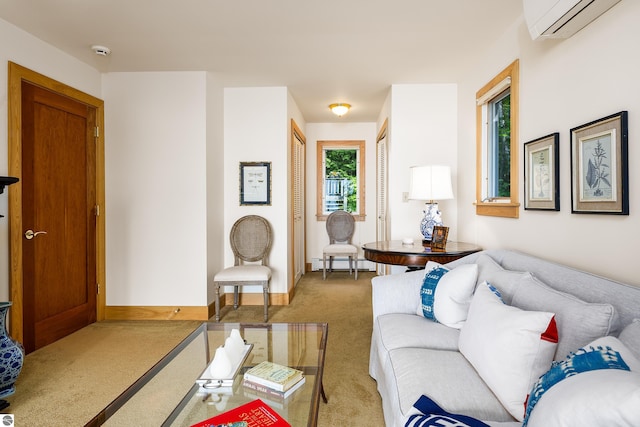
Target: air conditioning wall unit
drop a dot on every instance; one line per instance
(562, 18)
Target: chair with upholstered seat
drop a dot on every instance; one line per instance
(250, 239)
(340, 228)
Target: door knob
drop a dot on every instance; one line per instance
(30, 234)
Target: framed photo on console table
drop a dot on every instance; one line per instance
(439, 238)
(255, 183)
(600, 166)
(541, 172)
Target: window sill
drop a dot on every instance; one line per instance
(500, 209)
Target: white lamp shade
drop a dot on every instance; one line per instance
(430, 183)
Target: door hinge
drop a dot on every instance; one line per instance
(97, 210)
(96, 132)
(98, 288)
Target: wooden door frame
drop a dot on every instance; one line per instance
(17, 75)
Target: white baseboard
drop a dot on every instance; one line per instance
(342, 264)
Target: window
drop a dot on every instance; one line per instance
(340, 166)
(499, 172)
(497, 145)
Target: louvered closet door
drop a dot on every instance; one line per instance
(298, 180)
(382, 226)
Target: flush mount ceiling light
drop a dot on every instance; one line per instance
(340, 109)
(100, 50)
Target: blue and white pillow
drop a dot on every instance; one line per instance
(446, 294)
(600, 383)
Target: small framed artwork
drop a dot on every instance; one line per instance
(600, 166)
(255, 183)
(541, 172)
(439, 238)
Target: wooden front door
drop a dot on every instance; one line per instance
(55, 252)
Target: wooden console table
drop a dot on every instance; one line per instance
(415, 256)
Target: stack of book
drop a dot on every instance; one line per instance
(274, 380)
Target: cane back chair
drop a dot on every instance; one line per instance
(250, 239)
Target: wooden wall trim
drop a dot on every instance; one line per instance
(204, 313)
(113, 312)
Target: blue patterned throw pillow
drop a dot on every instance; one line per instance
(584, 360)
(446, 293)
(495, 291)
(428, 291)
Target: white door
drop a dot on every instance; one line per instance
(382, 222)
(297, 180)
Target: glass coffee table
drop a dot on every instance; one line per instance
(167, 395)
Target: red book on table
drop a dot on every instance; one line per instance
(255, 413)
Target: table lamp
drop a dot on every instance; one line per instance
(430, 183)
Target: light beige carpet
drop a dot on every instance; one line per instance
(69, 381)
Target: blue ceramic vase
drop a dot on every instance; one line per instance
(11, 355)
(431, 218)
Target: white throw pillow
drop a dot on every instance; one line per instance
(445, 294)
(509, 347)
(599, 385)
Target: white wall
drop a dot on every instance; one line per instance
(422, 131)
(28, 51)
(156, 171)
(563, 84)
(385, 114)
(215, 181)
(365, 231)
(255, 130)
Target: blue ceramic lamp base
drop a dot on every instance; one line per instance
(431, 219)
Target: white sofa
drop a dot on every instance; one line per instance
(413, 356)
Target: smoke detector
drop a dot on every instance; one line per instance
(100, 50)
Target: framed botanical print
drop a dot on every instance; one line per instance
(255, 183)
(541, 173)
(600, 166)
